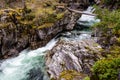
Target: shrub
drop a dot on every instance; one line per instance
(109, 27)
(70, 75)
(109, 19)
(107, 69)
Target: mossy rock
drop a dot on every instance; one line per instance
(71, 75)
(37, 16)
(46, 25)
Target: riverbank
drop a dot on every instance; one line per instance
(73, 54)
(32, 26)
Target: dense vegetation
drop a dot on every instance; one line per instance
(38, 14)
(108, 68)
(44, 13)
(71, 75)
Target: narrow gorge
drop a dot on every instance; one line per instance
(59, 40)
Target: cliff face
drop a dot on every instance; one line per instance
(15, 36)
(35, 25)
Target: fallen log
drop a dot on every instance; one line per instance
(76, 11)
(80, 12)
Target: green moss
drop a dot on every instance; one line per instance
(51, 18)
(114, 51)
(3, 25)
(60, 15)
(109, 19)
(45, 25)
(87, 78)
(28, 17)
(109, 27)
(45, 19)
(118, 39)
(107, 69)
(70, 75)
(38, 14)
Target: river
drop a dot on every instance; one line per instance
(29, 65)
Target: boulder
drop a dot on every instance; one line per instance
(77, 55)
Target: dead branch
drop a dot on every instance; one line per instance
(80, 12)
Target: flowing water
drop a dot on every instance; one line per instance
(29, 65)
(18, 68)
(88, 20)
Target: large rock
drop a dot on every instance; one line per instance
(77, 55)
(16, 36)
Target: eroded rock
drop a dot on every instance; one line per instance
(16, 36)
(78, 55)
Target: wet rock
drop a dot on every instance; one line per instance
(78, 55)
(72, 22)
(16, 36)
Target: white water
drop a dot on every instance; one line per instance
(17, 68)
(88, 20)
(76, 35)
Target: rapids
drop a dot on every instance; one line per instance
(29, 65)
(18, 68)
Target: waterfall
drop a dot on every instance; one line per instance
(18, 68)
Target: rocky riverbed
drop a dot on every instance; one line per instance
(78, 54)
(68, 56)
(22, 27)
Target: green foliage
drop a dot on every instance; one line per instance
(60, 15)
(114, 51)
(107, 69)
(70, 75)
(87, 78)
(118, 40)
(28, 17)
(42, 14)
(46, 25)
(109, 25)
(45, 18)
(50, 18)
(109, 19)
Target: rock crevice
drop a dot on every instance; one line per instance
(72, 55)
